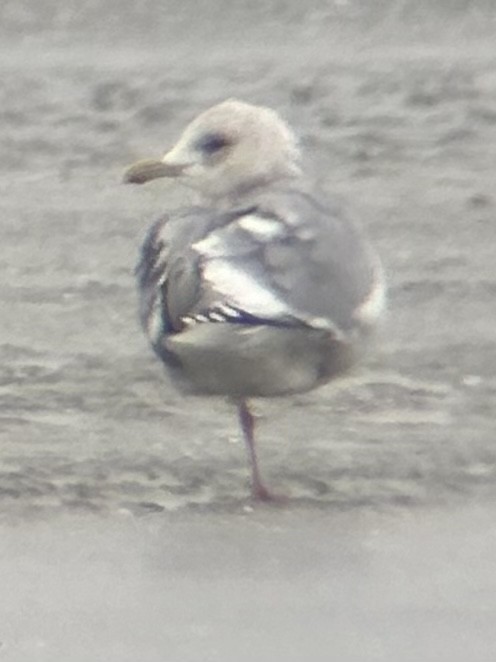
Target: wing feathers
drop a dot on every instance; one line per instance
(312, 268)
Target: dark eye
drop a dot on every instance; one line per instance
(211, 143)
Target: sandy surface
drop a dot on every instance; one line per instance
(122, 505)
(301, 585)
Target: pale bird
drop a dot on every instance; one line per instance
(263, 288)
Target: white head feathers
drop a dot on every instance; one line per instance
(229, 148)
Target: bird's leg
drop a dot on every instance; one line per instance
(247, 422)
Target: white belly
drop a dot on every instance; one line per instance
(243, 361)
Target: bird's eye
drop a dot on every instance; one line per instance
(212, 143)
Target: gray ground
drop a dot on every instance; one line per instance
(126, 533)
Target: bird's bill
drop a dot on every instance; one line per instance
(144, 171)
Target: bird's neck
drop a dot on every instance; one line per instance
(244, 194)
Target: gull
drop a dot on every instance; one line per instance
(263, 288)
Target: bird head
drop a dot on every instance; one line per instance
(230, 148)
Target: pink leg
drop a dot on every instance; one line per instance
(258, 489)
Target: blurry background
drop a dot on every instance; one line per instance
(110, 482)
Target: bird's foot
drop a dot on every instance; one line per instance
(261, 493)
